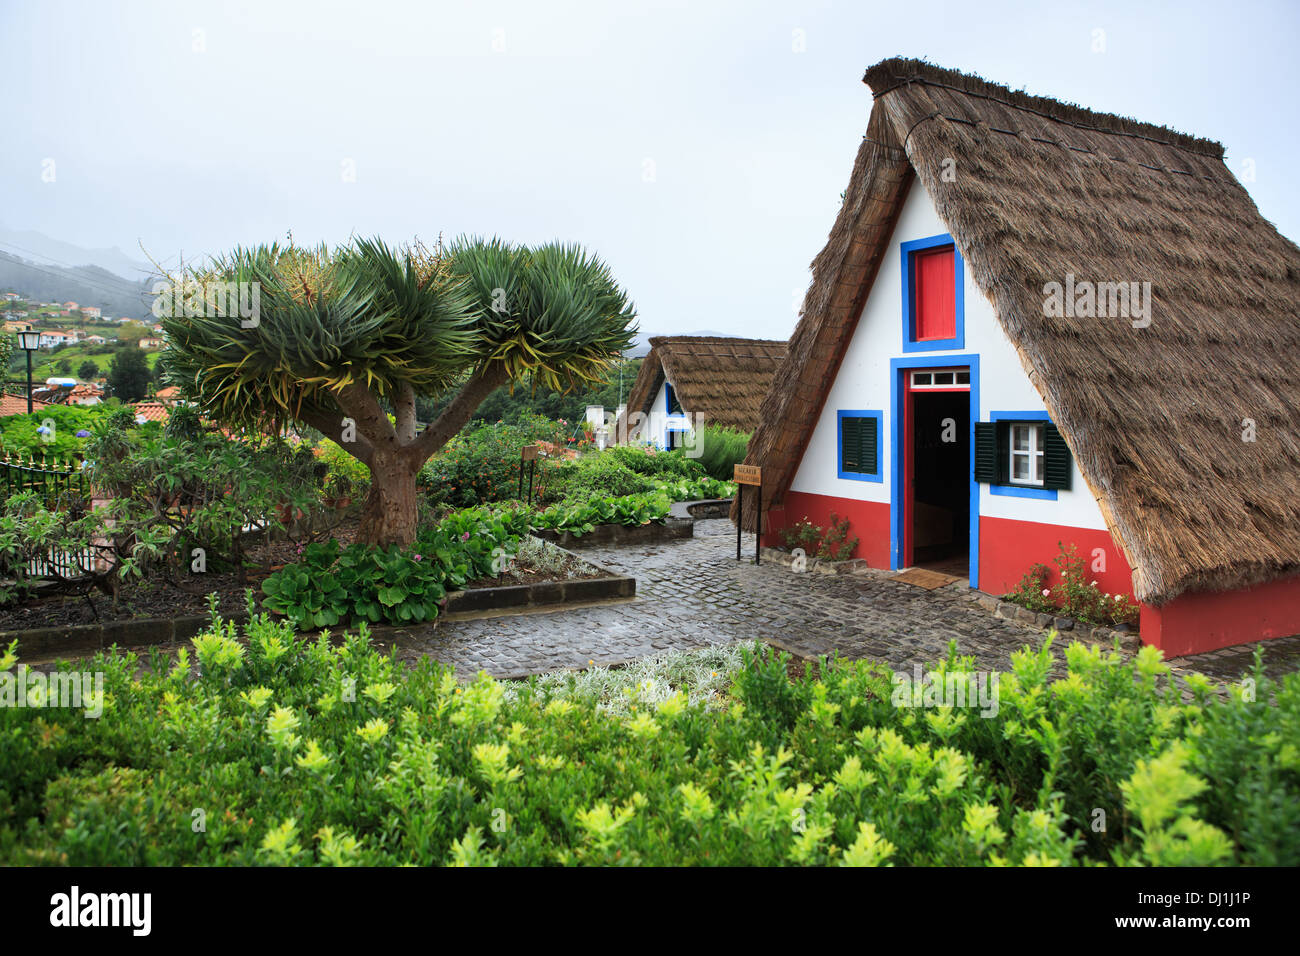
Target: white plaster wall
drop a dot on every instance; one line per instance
(863, 383)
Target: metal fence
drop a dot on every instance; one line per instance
(65, 565)
(56, 480)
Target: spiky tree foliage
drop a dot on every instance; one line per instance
(340, 337)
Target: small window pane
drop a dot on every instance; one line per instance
(1020, 438)
(943, 378)
(920, 378)
(963, 378)
(1020, 469)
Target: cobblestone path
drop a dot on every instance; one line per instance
(693, 593)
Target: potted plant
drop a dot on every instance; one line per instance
(338, 491)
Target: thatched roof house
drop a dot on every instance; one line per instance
(713, 379)
(1184, 425)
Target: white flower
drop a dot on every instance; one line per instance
(1047, 592)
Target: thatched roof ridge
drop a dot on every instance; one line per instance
(1031, 190)
(888, 75)
(721, 380)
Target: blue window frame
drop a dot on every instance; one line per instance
(676, 423)
(1021, 491)
(670, 399)
(876, 416)
(958, 341)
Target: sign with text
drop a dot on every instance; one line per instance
(748, 475)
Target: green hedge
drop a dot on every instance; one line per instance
(664, 465)
(18, 433)
(591, 477)
(481, 465)
(719, 449)
(297, 752)
(578, 518)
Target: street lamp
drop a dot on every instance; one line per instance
(29, 342)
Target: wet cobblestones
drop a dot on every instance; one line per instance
(693, 593)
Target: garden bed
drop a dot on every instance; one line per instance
(786, 558)
(155, 597)
(542, 573)
(537, 577)
(616, 535)
(708, 508)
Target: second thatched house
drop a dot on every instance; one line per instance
(691, 380)
(1033, 325)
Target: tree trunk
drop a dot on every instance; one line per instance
(391, 513)
(394, 455)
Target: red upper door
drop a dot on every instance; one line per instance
(936, 299)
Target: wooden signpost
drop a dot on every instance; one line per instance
(528, 454)
(748, 475)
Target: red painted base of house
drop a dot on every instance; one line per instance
(869, 520)
(1009, 547)
(1190, 624)
(1194, 623)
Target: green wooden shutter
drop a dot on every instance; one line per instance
(850, 445)
(859, 454)
(986, 452)
(1058, 463)
(870, 453)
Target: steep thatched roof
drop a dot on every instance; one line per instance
(720, 380)
(1039, 189)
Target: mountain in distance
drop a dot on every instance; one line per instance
(40, 248)
(86, 285)
(641, 344)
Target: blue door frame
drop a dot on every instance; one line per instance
(897, 369)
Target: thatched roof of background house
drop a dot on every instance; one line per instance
(720, 380)
(1153, 415)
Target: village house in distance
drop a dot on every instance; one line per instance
(689, 380)
(1033, 324)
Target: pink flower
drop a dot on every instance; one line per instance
(1046, 592)
(418, 557)
(465, 536)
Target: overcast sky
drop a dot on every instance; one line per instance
(690, 144)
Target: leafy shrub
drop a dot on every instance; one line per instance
(391, 585)
(481, 465)
(720, 449)
(668, 465)
(1073, 596)
(1033, 591)
(206, 489)
(19, 433)
(310, 752)
(696, 489)
(581, 516)
(832, 542)
(75, 545)
(591, 477)
(346, 477)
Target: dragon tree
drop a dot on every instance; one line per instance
(346, 340)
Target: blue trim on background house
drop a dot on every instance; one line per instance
(958, 341)
(842, 414)
(1021, 491)
(896, 510)
(672, 418)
